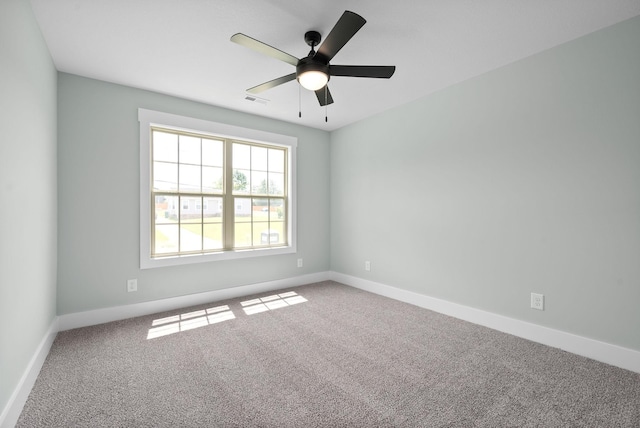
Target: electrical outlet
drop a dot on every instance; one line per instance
(299, 262)
(537, 301)
(367, 265)
(132, 285)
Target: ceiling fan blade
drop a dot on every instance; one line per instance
(263, 48)
(321, 96)
(348, 25)
(272, 83)
(379, 71)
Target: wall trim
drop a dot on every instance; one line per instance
(13, 409)
(615, 355)
(147, 119)
(104, 315)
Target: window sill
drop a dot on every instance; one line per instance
(150, 263)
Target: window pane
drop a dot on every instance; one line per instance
(259, 183)
(276, 160)
(262, 235)
(212, 179)
(173, 209)
(259, 158)
(165, 176)
(277, 232)
(260, 210)
(242, 209)
(242, 228)
(165, 146)
(190, 209)
(191, 237)
(166, 239)
(277, 210)
(241, 181)
(165, 211)
(189, 150)
(241, 156)
(189, 178)
(276, 183)
(242, 235)
(212, 210)
(212, 236)
(212, 152)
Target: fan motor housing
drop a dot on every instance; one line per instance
(309, 64)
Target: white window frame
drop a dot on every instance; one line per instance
(150, 118)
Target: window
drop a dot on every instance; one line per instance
(234, 188)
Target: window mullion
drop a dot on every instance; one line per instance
(228, 213)
(178, 189)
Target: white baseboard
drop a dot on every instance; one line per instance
(600, 351)
(13, 409)
(100, 316)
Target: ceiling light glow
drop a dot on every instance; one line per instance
(313, 80)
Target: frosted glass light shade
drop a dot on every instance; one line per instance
(313, 80)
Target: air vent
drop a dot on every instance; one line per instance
(255, 99)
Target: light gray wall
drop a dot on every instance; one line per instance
(98, 161)
(525, 179)
(27, 192)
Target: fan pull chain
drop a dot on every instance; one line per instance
(299, 102)
(325, 103)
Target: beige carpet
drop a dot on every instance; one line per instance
(321, 355)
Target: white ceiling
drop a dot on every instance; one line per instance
(182, 47)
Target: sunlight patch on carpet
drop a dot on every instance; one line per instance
(269, 303)
(189, 321)
(203, 317)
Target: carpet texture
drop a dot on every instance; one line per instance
(320, 355)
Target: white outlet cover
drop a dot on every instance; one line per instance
(537, 301)
(132, 285)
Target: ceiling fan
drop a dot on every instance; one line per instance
(314, 71)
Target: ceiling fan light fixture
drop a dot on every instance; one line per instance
(312, 75)
(313, 80)
(313, 72)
